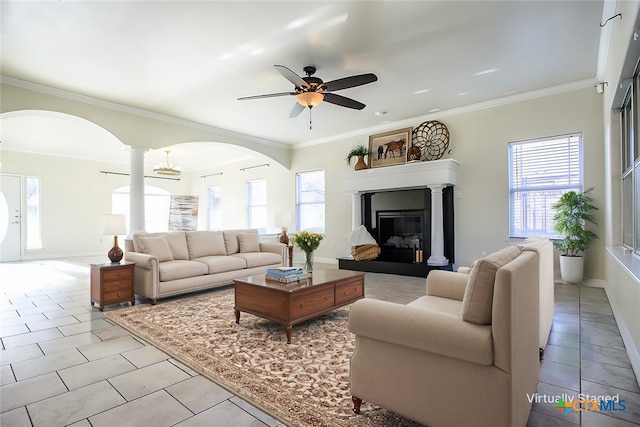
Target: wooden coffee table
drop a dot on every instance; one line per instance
(293, 303)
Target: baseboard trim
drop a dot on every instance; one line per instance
(632, 351)
(595, 283)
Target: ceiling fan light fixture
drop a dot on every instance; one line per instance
(309, 99)
(167, 169)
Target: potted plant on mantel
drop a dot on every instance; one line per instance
(358, 151)
(573, 212)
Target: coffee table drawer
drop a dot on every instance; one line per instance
(349, 291)
(312, 302)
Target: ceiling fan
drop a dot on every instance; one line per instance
(311, 91)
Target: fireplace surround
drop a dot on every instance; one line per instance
(431, 188)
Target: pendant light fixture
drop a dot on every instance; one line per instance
(166, 168)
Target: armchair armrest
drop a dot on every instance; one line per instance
(421, 329)
(447, 284)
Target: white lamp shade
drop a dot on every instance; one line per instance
(283, 219)
(114, 224)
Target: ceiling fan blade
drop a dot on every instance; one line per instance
(291, 76)
(269, 95)
(296, 110)
(353, 81)
(343, 101)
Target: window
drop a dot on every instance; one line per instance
(156, 207)
(540, 171)
(630, 169)
(257, 204)
(34, 240)
(214, 208)
(310, 201)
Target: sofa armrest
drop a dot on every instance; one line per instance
(147, 274)
(276, 248)
(420, 329)
(142, 260)
(447, 284)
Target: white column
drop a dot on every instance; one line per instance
(356, 211)
(136, 190)
(437, 228)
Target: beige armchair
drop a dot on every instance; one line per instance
(544, 248)
(464, 354)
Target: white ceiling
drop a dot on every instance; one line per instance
(192, 60)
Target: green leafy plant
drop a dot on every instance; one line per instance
(573, 212)
(358, 150)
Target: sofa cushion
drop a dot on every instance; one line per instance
(231, 239)
(178, 245)
(181, 269)
(222, 263)
(249, 242)
(478, 295)
(259, 259)
(156, 246)
(205, 243)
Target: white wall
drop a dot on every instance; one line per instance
(280, 190)
(74, 196)
(479, 141)
(622, 279)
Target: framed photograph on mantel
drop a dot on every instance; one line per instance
(389, 148)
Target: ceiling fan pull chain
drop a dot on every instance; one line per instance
(310, 118)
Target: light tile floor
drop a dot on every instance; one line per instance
(62, 363)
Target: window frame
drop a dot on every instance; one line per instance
(551, 183)
(252, 206)
(33, 239)
(630, 167)
(214, 212)
(301, 205)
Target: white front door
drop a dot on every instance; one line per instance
(10, 218)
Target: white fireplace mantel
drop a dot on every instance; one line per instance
(406, 176)
(435, 174)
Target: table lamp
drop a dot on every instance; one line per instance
(284, 219)
(114, 225)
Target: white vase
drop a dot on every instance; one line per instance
(571, 268)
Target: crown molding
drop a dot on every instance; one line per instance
(512, 99)
(48, 90)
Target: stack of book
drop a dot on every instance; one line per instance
(285, 274)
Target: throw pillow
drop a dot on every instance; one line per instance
(477, 303)
(231, 242)
(178, 245)
(156, 246)
(249, 242)
(205, 243)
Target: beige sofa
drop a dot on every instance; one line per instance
(466, 354)
(170, 264)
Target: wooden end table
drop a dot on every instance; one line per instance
(289, 304)
(112, 283)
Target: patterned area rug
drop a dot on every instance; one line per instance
(305, 383)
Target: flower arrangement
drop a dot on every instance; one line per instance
(308, 241)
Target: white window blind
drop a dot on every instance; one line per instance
(541, 171)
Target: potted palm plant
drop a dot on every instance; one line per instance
(574, 211)
(358, 151)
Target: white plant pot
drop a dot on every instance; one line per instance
(571, 268)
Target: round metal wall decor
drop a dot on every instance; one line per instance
(432, 138)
